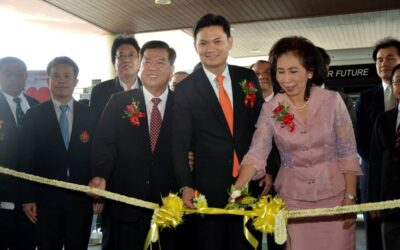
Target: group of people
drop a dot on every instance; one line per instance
(140, 139)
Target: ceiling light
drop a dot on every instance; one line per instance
(163, 2)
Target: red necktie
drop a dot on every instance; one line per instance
(228, 112)
(155, 123)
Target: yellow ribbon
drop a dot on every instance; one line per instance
(268, 213)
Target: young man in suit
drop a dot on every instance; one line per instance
(384, 168)
(219, 135)
(125, 58)
(132, 151)
(369, 105)
(57, 138)
(16, 232)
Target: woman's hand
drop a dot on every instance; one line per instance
(348, 219)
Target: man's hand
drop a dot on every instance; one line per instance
(348, 219)
(267, 183)
(187, 197)
(191, 160)
(97, 182)
(30, 211)
(98, 206)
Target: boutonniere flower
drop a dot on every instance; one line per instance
(284, 117)
(249, 89)
(199, 200)
(132, 112)
(240, 198)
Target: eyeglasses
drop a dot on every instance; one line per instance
(131, 56)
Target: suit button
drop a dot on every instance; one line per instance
(147, 182)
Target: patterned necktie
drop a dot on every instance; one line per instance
(228, 113)
(397, 138)
(64, 124)
(19, 113)
(155, 123)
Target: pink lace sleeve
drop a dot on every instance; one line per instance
(261, 143)
(345, 141)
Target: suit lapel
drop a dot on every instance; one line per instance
(390, 128)
(237, 102)
(210, 99)
(54, 127)
(144, 124)
(6, 114)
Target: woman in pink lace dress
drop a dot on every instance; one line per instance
(317, 147)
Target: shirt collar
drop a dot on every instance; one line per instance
(11, 98)
(385, 86)
(148, 96)
(211, 76)
(70, 105)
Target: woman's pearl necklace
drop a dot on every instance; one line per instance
(302, 106)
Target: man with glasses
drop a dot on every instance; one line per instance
(125, 58)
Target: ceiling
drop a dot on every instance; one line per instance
(257, 24)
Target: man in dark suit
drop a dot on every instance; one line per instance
(384, 168)
(346, 98)
(369, 105)
(57, 137)
(132, 151)
(125, 58)
(16, 232)
(219, 135)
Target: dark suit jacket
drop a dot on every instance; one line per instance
(384, 163)
(43, 152)
(369, 105)
(102, 92)
(200, 125)
(8, 147)
(122, 155)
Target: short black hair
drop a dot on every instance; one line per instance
(121, 40)
(395, 68)
(259, 61)
(386, 43)
(181, 73)
(308, 55)
(63, 60)
(325, 57)
(212, 20)
(156, 44)
(9, 60)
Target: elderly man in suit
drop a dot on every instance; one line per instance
(384, 168)
(16, 232)
(125, 58)
(132, 151)
(57, 143)
(214, 118)
(369, 105)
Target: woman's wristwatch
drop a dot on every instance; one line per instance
(353, 198)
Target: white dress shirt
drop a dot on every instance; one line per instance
(13, 105)
(125, 86)
(388, 97)
(70, 113)
(227, 82)
(149, 104)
